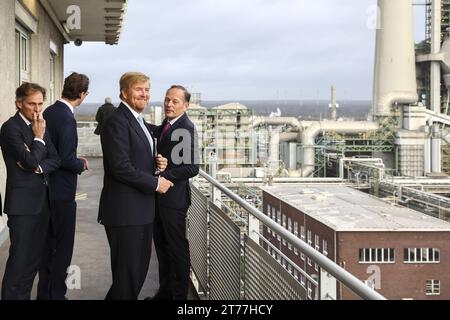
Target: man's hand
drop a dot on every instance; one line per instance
(163, 185)
(86, 163)
(161, 163)
(38, 125)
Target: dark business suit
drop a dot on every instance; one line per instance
(62, 129)
(127, 201)
(171, 244)
(26, 203)
(103, 113)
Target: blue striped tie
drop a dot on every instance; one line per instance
(147, 134)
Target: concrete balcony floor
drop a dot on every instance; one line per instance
(91, 253)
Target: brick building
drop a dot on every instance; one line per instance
(402, 253)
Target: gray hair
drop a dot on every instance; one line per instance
(107, 100)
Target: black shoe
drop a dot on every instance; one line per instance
(160, 296)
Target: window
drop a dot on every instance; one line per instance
(269, 211)
(283, 217)
(421, 255)
(23, 56)
(302, 279)
(278, 216)
(376, 255)
(309, 237)
(302, 232)
(51, 87)
(290, 230)
(316, 242)
(309, 290)
(325, 247)
(433, 287)
(296, 228)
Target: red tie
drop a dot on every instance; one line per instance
(165, 129)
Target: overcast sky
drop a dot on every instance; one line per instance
(240, 49)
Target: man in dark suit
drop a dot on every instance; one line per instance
(103, 113)
(29, 157)
(62, 128)
(127, 201)
(177, 142)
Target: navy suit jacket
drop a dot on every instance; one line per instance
(129, 184)
(26, 190)
(179, 172)
(62, 128)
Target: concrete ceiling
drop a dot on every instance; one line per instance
(101, 20)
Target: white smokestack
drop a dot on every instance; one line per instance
(395, 71)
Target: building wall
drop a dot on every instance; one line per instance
(310, 224)
(7, 67)
(40, 54)
(40, 63)
(399, 280)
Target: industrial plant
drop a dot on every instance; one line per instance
(370, 195)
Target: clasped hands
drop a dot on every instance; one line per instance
(163, 183)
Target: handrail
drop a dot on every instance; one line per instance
(345, 277)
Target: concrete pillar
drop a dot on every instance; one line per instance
(427, 151)
(436, 142)
(435, 69)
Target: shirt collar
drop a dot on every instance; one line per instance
(175, 120)
(134, 112)
(67, 104)
(24, 119)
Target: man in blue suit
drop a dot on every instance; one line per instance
(62, 127)
(30, 157)
(127, 201)
(177, 142)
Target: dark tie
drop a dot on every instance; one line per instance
(165, 129)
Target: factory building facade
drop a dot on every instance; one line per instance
(400, 252)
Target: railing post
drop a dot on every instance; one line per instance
(216, 193)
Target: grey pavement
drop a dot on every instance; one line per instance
(91, 253)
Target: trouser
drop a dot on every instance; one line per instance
(131, 248)
(172, 249)
(27, 236)
(58, 251)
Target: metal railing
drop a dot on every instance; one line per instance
(271, 272)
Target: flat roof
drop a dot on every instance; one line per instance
(345, 209)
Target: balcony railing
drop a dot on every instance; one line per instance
(229, 259)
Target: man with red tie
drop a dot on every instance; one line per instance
(177, 142)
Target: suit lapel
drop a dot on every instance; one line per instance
(26, 131)
(136, 126)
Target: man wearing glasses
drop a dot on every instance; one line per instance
(62, 127)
